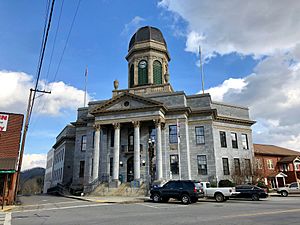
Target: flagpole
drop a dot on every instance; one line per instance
(201, 68)
(85, 74)
(178, 146)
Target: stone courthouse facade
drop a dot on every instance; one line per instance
(149, 132)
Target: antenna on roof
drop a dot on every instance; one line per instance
(85, 75)
(201, 69)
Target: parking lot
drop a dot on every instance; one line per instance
(59, 210)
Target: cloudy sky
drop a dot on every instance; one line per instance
(251, 51)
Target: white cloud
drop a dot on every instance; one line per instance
(15, 92)
(273, 95)
(253, 28)
(132, 26)
(34, 160)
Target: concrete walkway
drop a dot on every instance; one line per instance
(110, 199)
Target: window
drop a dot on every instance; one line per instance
(112, 138)
(202, 164)
(225, 166)
(245, 141)
(293, 185)
(131, 78)
(258, 163)
(173, 134)
(234, 140)
(285, 167)
(92, 168)
(174, 164)
(83, 143)
(143, 72)
(237, 166)
(223, 139)
(157, 72)
(111, 161)
(270, 164)
(81, 169)
(199, 135)
(93, 144)
(248, 170)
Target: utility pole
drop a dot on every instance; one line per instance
(28, 114)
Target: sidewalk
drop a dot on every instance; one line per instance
(7, 208)
(110, 199)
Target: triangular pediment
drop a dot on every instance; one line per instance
(126, 101)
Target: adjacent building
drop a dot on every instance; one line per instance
(10, 135)
(277, 166)
(150, 132)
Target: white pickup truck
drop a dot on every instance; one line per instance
(293, 188)
(220, 194)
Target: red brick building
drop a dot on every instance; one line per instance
(277, 166)
(10, 135)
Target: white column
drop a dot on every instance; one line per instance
(159, 170)
(116, 159)
(137, 163)
(96, 152)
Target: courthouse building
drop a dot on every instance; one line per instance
(150, 132)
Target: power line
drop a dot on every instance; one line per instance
(42, 57)
(63, 52)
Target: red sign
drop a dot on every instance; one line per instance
(3, 122)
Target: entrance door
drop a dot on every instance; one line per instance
(130, 169)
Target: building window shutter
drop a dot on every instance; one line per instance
(157, 72)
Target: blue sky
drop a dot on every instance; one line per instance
(249, 59)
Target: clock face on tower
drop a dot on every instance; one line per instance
(142, 64)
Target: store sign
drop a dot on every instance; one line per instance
(3, 122)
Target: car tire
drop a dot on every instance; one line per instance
(219, 197)
(255, 197)
(185, 199)
(156, 197)
(284, 193)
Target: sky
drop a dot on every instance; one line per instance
(251, 57)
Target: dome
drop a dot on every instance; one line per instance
(146, 34)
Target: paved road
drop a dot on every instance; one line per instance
(62, 211)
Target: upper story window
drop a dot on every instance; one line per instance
(245, 141)
(234, 140)
(285, 167)
(83, 143)
(258, 163)
(173, 134)
(223, 139)
(225, 166)
(157, 72)
(199, 135)
(112, 138)
(270, 164)
(131, 76)
(143, 72)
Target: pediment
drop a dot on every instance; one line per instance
(126, 101)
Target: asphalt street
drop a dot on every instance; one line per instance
(45, 210)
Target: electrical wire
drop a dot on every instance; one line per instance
(64, 49)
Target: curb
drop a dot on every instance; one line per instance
(107, 201)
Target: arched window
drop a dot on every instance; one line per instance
(143, 72)
(131, 77)
(157, 72)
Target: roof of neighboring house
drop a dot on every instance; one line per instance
(274, 150)
(287, 159)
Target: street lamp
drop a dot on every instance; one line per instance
(151, 143)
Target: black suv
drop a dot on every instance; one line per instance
(186, 191)
(250, 191)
